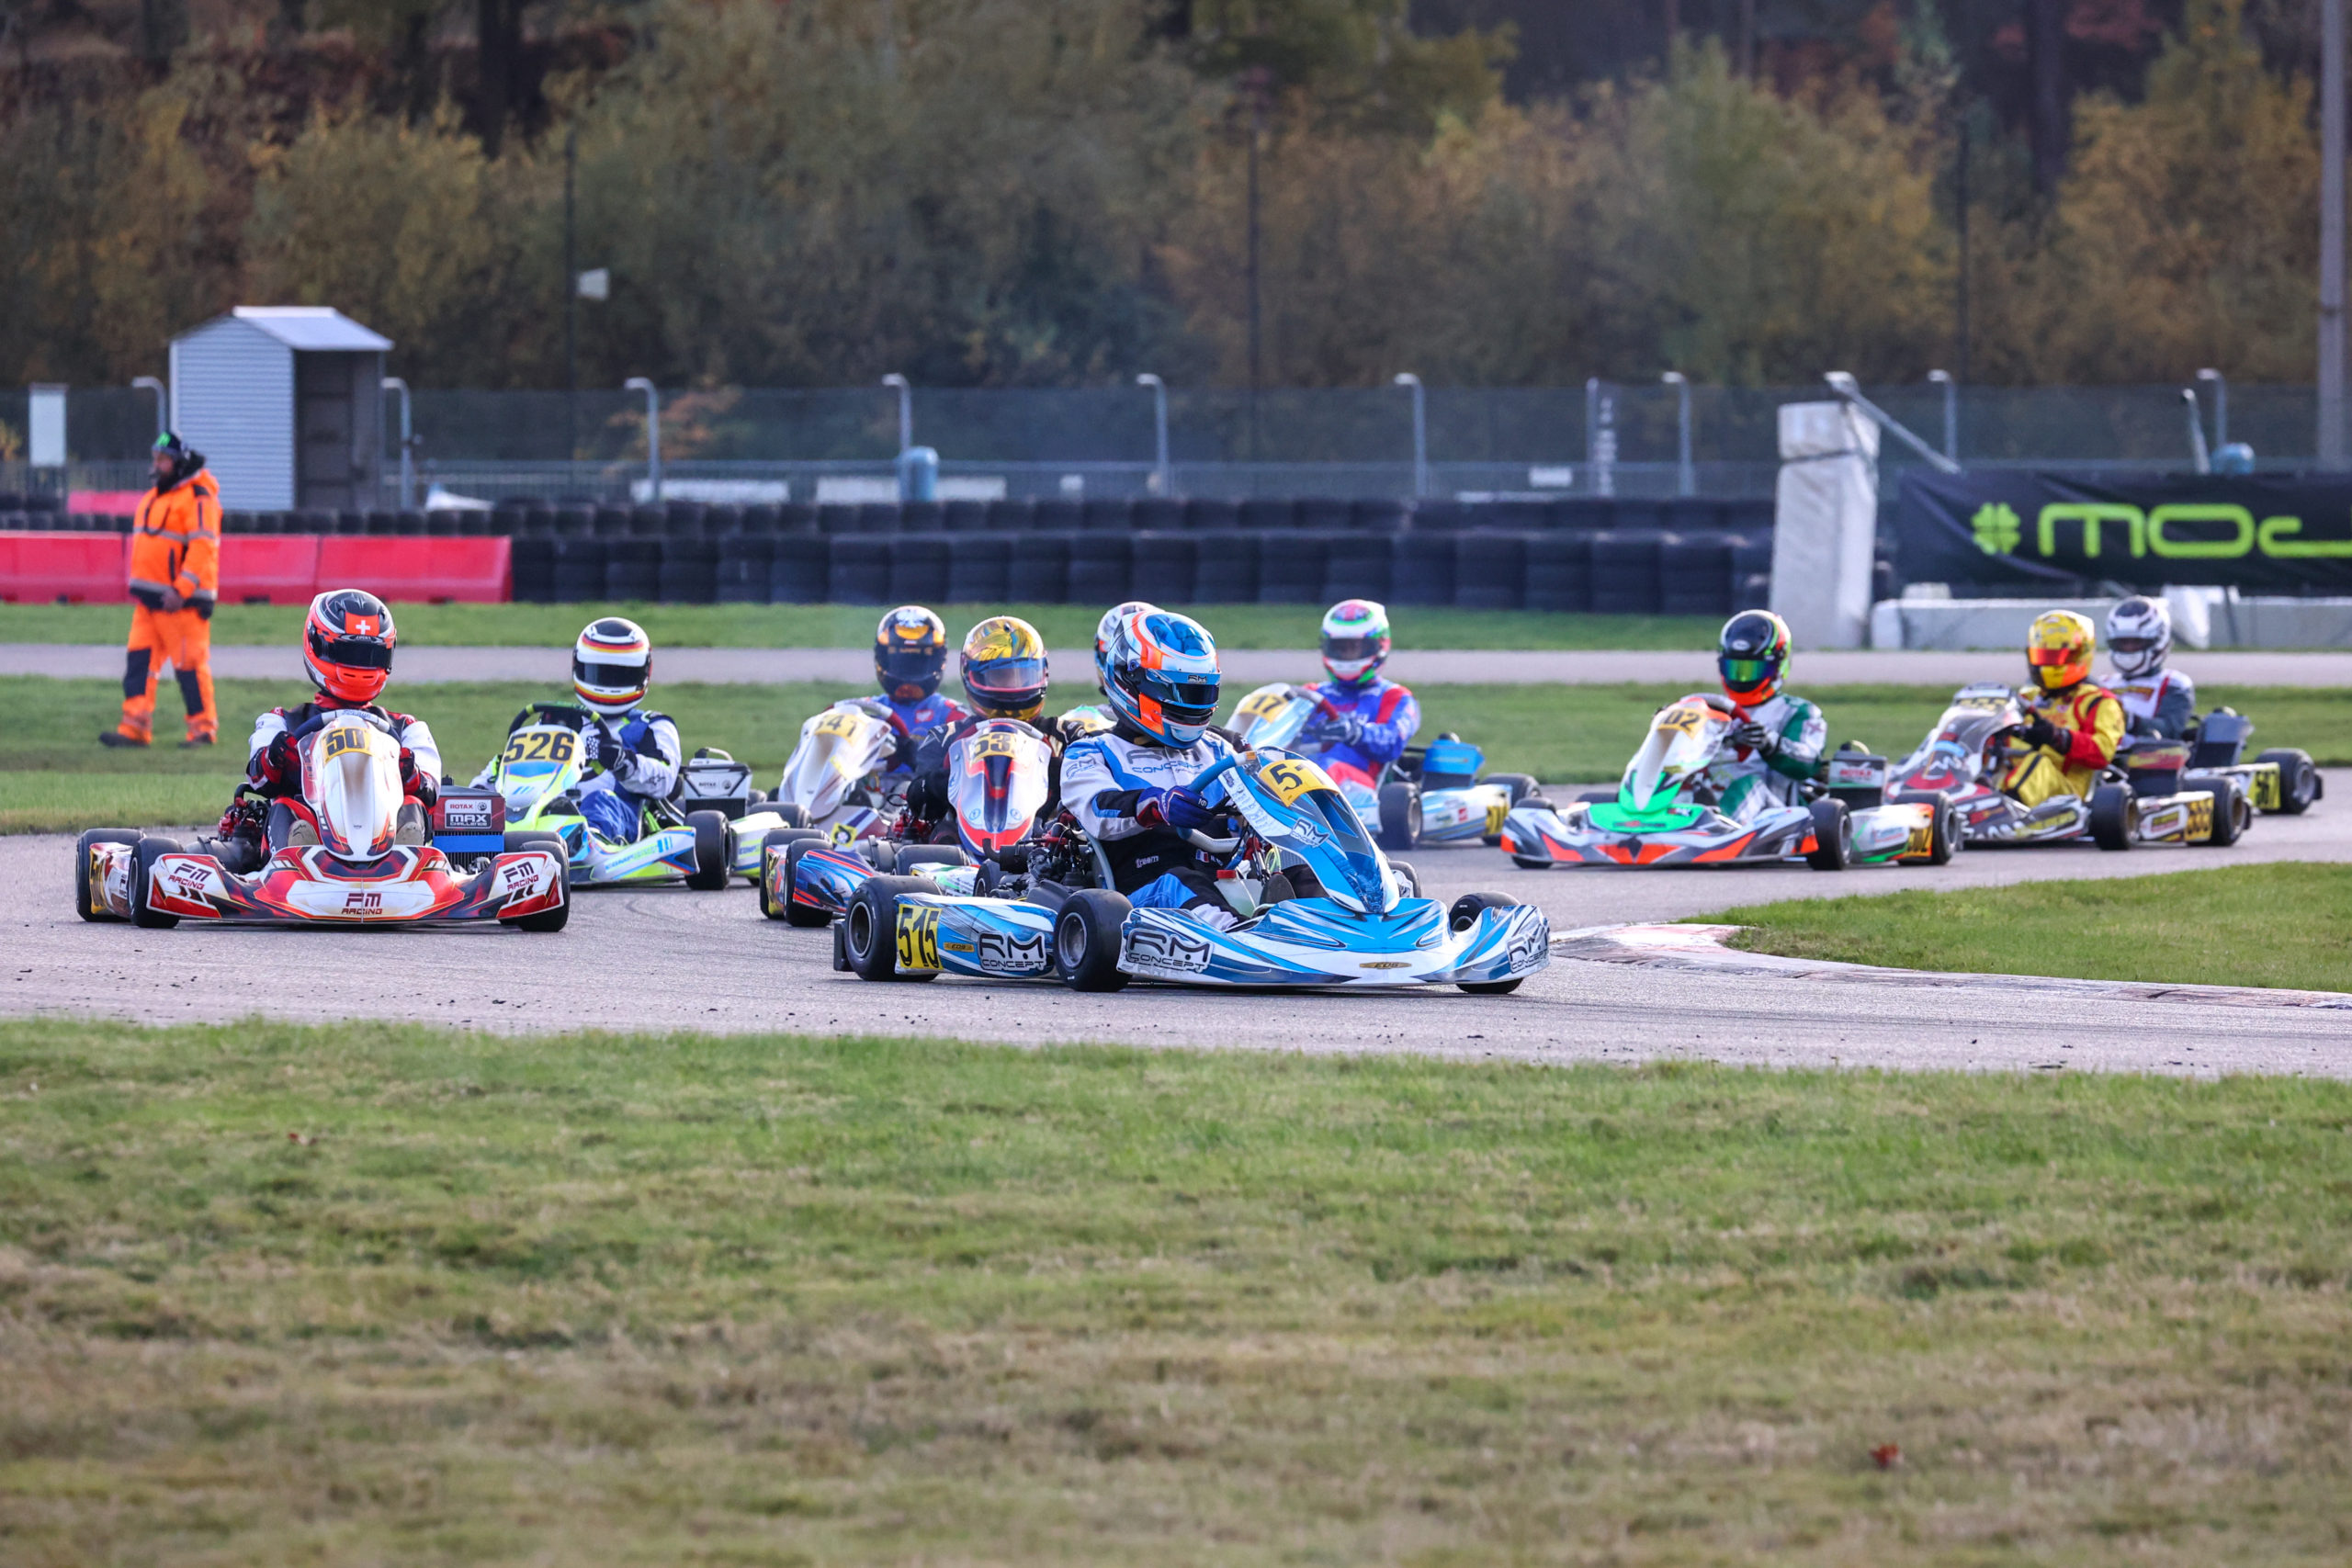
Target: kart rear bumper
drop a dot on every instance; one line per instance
(306, 886)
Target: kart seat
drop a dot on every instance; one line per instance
(286, 827)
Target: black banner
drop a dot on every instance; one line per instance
(2036, 532)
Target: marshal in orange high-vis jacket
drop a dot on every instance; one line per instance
(175, 581)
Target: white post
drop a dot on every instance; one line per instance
(1951, 410)
(408, 445)
(652, 432)
(1162, 479)
(1686, 478)
(906, 409)
(1421, 431)
(2220, 406)
(162, 399)
(1826, 523)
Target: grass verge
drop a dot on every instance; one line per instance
(851, 625)
(2284, 924)
(389, 1293)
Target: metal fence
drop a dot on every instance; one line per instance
(747, 444)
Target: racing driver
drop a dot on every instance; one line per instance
(1130, 787)
(1362, 720)
(909, 657)
(2073, 725)
(347, 642)
(2158, 703)
(634, 751)
(1777, 739)
(1002, 664)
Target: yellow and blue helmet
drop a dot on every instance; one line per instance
(1005, 668)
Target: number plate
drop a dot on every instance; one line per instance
(1290, 777)
(917, 937)
(557, 745)
(345, 737)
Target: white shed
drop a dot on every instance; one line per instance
(286, 402)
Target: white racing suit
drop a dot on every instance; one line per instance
(2160, 707)
(1751, 780)
(614, 800)
(1105, 780)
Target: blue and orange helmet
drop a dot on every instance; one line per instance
(1161, 675)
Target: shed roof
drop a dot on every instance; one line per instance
(306, 327)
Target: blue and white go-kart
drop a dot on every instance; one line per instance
(1318, 906)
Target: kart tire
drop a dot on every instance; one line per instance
(1529, 862)
(142, 862)
(778, 840)
(712, 868)
(553, 919)
(792, 816)
(2115, 816)
(1462, 916)
(1597, 798)
(1086, 941)
(2233, 814)
(1943, 832)
(85, 902)
(792, 912)
(541, 837)
(2299, 782)
(1400, 817)
(1408, 876)
(870, 929)
(930, 854)
(1833, 836)
(881, 853)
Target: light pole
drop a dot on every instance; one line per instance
(1162, 479)
(408, 445)
(1951, 410)
(2220, 406)
(906, 409)
(162, 399)
(652, 432)
(1686, 478)
(1421, 431)
(2331, 235)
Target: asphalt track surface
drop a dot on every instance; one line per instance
(423, 664)
(667, 959)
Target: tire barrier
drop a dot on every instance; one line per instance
(919, 570)
(1751, 572)
(860, 573)
(689, 573)
(1166, 566)
(648, 522)
(1694, 575)
(1102, 568)
(1290, 569)
(1491, 570)
(1108, 516)
(1040, 570)
(1205, 515)
(1261, 514)
(744, 562)
(803, 569)
(1560, 573)
(579, 574)
(1624, 572)
(979, 569)
(633, 570)
(535, 570)
(1358, 566)
(1424, 570)
(1227, 573)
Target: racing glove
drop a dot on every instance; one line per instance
(422, 785)
(1329, 729)
(1180, 808)
(1755, 738)
(2039, 731)
(277, 761)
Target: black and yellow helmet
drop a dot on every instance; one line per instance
(910, 653)
(1005, 668)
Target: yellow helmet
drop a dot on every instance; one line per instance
(1005, 668)
(2059, 649)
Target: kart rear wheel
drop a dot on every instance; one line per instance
(870, 929)
(553, 919)
(790, 910)
(2233, 814)
(2115, 816)
(1518, 788)
(930, 854)
(711, 869)
(1833, 836)
(142, 865)
(2299, 782)
(1400, 817)
(1086, 941)
(792, 816)
(1943, 832)
(880, 852)
(86, 897)
(1465, 914)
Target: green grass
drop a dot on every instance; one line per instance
(368, 1293)
(851, 625)
(1559, 733)
(2287, 924)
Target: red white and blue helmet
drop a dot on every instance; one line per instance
(612, 666)
(1161, 675)
(1355, 640)
(1103, 629)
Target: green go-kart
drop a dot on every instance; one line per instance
(537, 777)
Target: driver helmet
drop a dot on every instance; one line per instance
(1102, 628)
(2139, 636)
(612, 666)
(910, 653)
(1355, 640)
(1752, 657)
(2058, 650)
(1003, 667)
(347, 643)
(1163, 677)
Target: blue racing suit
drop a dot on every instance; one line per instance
(929, 712)
(1107, 780)
(1382, 714)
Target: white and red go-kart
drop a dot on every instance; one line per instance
(357, 873)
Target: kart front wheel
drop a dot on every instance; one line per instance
(870, 936)
(1465, 914)
(711, 867)
(2299, 782)
(87, 902)
(1833, 836)
(1086, 941)
(2115, 816)
(553, 919)
(1943, 832)
(780, 840)
(788, 910)
(1400, 817)
(2233, 814)
(143, 867)
(790, 814)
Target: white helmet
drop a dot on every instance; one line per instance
(2139, 636)
(612, 666)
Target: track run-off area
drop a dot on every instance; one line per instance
(667, 959)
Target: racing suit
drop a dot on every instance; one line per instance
(1752, 778)
(927, 758)
(2089, 723)
(2160, 707)
(1110, 781)
(642, 758)
(912, 719)
(1374, 720)
(275, 770)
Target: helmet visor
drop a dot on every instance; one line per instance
(1185, 699)
(617, 676)
(2130, 644)
(1010, 677)
(1349, 648)
(353, 652)
(2052, 658)
(911, 666)
(1742, 673)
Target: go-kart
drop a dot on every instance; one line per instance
(537, 776)
(1667, 811)
(2142, 799)
(999, 776)
(835, 781)
(2281, 782)
(1429, 796)
(1318, 906)
(343, 853)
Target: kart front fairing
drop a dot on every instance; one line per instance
(999, 777)
(835, 777)
(539, 773)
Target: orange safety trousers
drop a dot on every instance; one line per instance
(184, 637)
